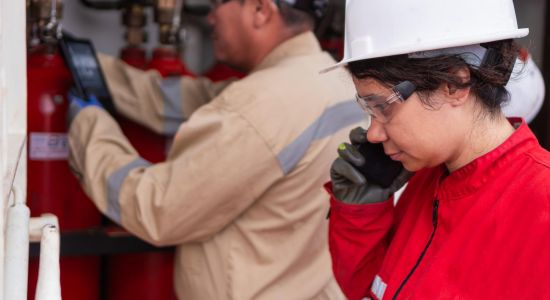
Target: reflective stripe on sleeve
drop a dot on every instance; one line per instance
(114, 183)
(173, 112)
(333, 119)
(378, 287)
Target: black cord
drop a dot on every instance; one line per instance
(434, 222)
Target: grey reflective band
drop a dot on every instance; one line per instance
(332, 120)
(114, 183)
(472, 54)
(173, 113)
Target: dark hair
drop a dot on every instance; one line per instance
(486, 82)
(295, 18)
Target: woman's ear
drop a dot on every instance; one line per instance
(459, 95)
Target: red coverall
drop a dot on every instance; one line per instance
(490, 222)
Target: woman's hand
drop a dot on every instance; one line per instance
(349, 183)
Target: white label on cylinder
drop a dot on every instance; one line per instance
(48, 146)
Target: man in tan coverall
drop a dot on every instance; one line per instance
(241, 192)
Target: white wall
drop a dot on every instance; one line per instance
(13, 108)
(531, 14)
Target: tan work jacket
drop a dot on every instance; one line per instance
(241, 192)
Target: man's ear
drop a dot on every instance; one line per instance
(457, 94)
(263, 12)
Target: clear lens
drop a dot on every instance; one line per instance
(379, 107)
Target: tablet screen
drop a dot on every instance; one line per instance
(82, 61)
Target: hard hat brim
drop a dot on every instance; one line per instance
(439, 44)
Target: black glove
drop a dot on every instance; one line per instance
(349, 183)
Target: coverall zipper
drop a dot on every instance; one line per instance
(434, 223)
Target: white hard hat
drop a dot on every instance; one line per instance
(526, 88)
(392, 27)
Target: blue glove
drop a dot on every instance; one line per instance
(76, 104)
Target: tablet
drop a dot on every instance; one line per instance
(80, 57)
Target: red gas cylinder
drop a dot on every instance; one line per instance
(334, 46)
(141, 276)
(221, 71)
(134, 56)
(167, 61)
(51, 188)
(150, 145)
(152, 273)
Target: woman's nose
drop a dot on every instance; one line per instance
(376, 132)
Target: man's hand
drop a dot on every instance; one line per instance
(76, 104)
(349, 184)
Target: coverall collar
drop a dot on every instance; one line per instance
(303, 43)
(472, 177)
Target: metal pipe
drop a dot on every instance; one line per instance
(166, 16)
(19, 230)
(16, 259)
(176, 22)
(44, 17)
(134, 18)
(53, 15)
(49, 285)
(53, 27)
(37, 224)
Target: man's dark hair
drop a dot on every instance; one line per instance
(294, 17)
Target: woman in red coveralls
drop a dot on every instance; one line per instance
(474, 219)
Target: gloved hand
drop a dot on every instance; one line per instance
(76, 104)
(349, 184)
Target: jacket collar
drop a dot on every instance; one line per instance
(303, 43)
(473, 176)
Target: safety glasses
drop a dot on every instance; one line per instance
(379, 107)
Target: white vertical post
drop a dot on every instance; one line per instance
(46, 230)
(17, 248)
(48, 286)
(13, 107)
